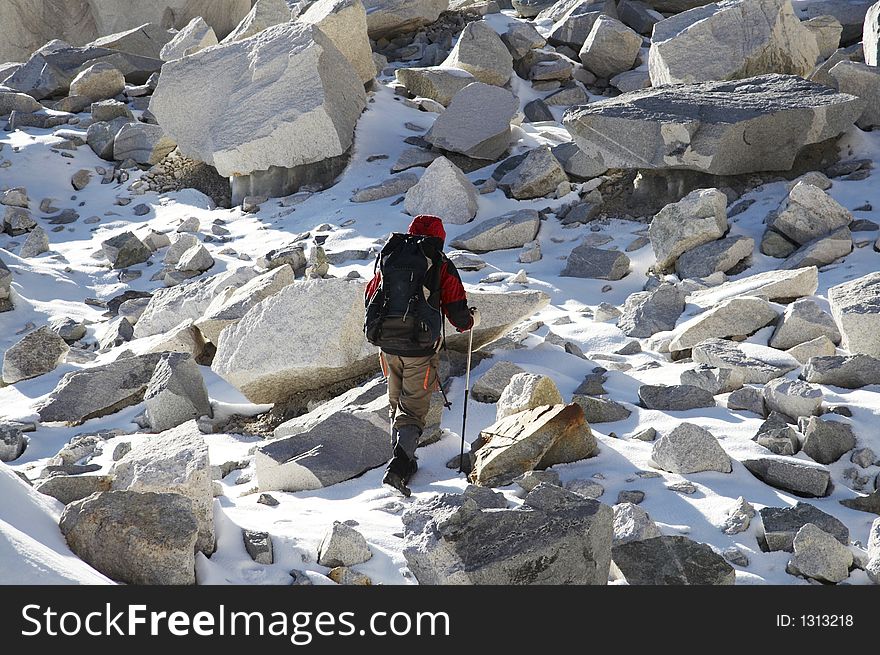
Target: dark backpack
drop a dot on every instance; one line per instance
(403, 315)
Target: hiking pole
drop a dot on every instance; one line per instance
(467, 390)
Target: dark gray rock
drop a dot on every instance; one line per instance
(99, 390)
(70, 488)
(37, 353)
(791, 475)
(675, 398)
(827, 441)
(777, 436)
(846, 371)
(749, 399)
(869, 503)
(259, 546)
(595, 263)
(600, 410)
(671, 561)
(132, 537)
(537, 111)
(720, 255)
(556, 537)
(647, 312)
(12, 442)
(176, 393)
(125, 250)
(779, 525)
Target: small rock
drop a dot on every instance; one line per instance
(343, 546)
(259, 546)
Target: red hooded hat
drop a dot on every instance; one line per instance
(427, 225)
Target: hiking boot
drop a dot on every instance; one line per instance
(393, 480)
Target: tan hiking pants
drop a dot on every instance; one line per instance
(411, 382)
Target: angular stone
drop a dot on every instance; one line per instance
(328, 445)
(715, 256)
(345, 22)
(439, 83)
(556, 537)
(671, 560)
(343, 546)
(259, 546)
(526, 391)
(632, 523)
(575, 20)
(391, 17)
(848, 372)
(175, 461)
(765, 35)
(820, 556)
(196, 97)
(196, 35)
(169, 307)
(511, 230)
(232, 303)
(142, 143)
(98, 82)
(647, 312)
(791, 475)
(739, 316)
(481, 52)
(136, 538)
(803, 320)
(576, 162)
(610, 48)
(125, 250)
(862, 81)
(444, 191)
(821, 346)
(738, 517)
(676, 398)
(588, 262)
(869, 503)
(638, 15)
(263, 15)
(855, 306)
(102, 136)
(539, 174)
(793, 398)
(70, 488)
(521, 37)
(11, 101)
(99, 390)
(827, 441)
(37, 353)
(17, 221)
(714, 380)
(656, 128)
(749, 399)
(777, 436)
(600, 410)
(534, 438)
(690, 449)
(12, 442)
(772, 285)
(176, 393)
(146, 40)
(758, 364)
(808, 213)
(195, 260)
(821, 251)
(489, 387)
(698, 218)
(779, 525)
(476, 123)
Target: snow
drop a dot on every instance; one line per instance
(57, 284)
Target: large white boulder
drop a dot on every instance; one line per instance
(345, 22)
(391, 17)
(443, 191)
(725, 128)
(285, 97)
(25, 25)
(731, 40)
(855, 306)
(175, 461)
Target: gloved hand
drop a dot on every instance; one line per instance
(475, 314)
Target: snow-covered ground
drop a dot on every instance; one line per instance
(57, 284)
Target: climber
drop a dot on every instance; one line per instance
(413, 288)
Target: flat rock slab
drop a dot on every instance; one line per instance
(791, 475)
(675, 398)
(556, 537)
(671, 561)
(779, 525)
(741, 126)
(757, 364)
(845, 371)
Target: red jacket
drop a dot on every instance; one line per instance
(453, 299)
